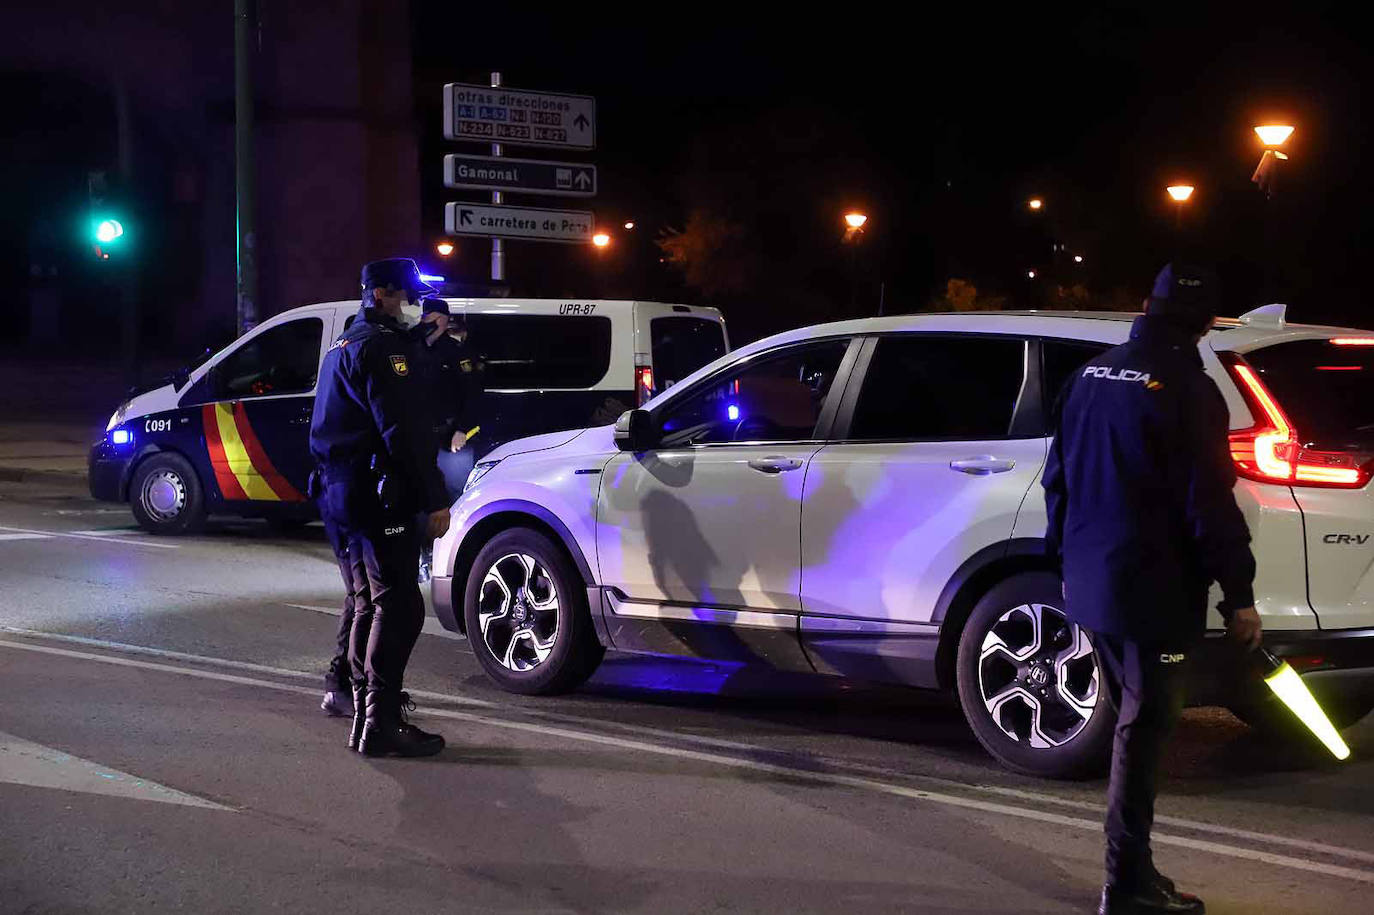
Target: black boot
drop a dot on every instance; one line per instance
(1159, 895)
(386, 732)
(359, 714)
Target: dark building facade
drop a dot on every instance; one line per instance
(144, 91)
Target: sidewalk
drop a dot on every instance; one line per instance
(52, 452)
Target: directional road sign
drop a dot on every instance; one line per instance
(501, 115)
(525, 176)
(500, 221)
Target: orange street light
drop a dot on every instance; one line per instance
(1035, 203)
(855, 220)
(445, 248)
(1274, 135)
(601, 239)
(1180, 192)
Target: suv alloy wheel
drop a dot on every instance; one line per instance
(526, 612)
(1029, 683)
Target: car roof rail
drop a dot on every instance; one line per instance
(1266, 315)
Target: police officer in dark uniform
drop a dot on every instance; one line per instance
(372, 443)
(452, 376)
(1143, 519)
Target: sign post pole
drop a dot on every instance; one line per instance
(498, 247)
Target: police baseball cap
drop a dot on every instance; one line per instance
(397, 273)
(433, 305)
(1188, 293)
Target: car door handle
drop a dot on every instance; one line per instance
(983, 465)
(775, 464)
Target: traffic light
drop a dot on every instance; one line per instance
(106, 233)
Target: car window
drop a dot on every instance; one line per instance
(932, 387)
(542, 351)
(282, 360)
(1062, 359)
(680, 345)
(774, 398)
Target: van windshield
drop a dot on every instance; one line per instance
(1325, 389)
(541, 351)
(680, 345)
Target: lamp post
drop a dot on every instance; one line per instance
(1266, 175)
(1180, 194)
(854, 223)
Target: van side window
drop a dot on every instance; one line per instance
(542, 351)
(283, 360)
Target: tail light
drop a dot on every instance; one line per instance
(1270, 450)
(644, 384)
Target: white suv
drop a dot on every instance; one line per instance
(864, 499)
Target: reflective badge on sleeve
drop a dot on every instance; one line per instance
(398, 365)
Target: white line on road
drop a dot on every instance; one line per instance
(80, 536)
(790, 772)
(23, 762)
(24, 536)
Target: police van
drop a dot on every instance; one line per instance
(229, 434)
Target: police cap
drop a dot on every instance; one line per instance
(397, 273)
(1187, 294)
(434, 305)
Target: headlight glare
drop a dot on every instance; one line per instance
(479, 470)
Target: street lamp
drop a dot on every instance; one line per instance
(629, 225)
(1035, 203)
(445, 248)
(1180, 193)
(1078, 258)
(601, 239)
(1030, 274)
(855, 220)
(1274, 135)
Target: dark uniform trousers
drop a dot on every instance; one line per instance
(1146, 685)
(351, 569)
(378, 557)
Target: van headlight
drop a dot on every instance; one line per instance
(117, 416)
(479, 470)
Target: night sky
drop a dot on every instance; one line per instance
(940, 126)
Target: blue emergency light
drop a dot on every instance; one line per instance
(121, 437)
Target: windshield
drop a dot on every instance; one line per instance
(1326, 390)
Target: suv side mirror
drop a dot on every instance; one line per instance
(634, 431)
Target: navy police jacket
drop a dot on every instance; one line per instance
(1139, 486)
(453, 377)
(370, 402)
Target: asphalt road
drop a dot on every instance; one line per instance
(161, 749)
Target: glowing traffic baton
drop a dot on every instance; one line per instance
(1290, 689)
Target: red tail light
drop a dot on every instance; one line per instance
(1271, 452)
(644, 384)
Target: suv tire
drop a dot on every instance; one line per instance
(525, 607)
(1028, 682)
(166, 496)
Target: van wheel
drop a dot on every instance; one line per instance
(527, 619)
(1029, 682)
(166, 496)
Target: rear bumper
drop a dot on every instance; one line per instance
(108, 472)
(1332, 662)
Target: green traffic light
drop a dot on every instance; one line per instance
(108, 230)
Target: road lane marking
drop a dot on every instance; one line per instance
(721, 744)
(102, 539)
(222, 662)
(23, 762)
(431, 625)
(24, 536)
(834, 779)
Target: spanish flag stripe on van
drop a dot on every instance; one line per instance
(283, 490)
(242, 468)
(229, 488)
